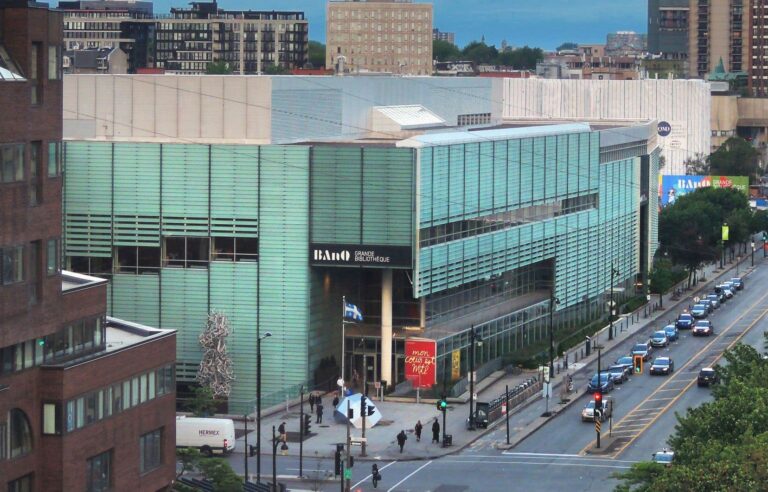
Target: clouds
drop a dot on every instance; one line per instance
(541, 23)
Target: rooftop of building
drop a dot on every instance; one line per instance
(72, 282)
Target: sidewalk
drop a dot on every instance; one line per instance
(525, 419)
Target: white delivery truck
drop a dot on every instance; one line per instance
(210, 436)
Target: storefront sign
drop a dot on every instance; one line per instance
(673, 187)
(420, 361)
(360, 255)
(455, 365)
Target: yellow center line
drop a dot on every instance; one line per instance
(687, 386)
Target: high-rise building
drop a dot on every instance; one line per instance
(393, 36)
(718, 31)
(668, 28)
(438, 35)
(87, 402)
(758, 49)
(187, 40)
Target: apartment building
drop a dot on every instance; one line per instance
(87, 402)
(391, 36)
(438, 35)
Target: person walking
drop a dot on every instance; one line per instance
(319, 412)
(375, 475)
(417, 429)
(436, 431)
(401, 438)
(281, 430)
(311, 403)
(335, 402)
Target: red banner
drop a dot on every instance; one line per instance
(420, 362)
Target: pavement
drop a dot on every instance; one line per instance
(524, 419)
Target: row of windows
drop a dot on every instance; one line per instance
(12, 158)
(93, 25)
(474, 119)
(346, 13)
(104, 403)
(184, 252)
(75, 340)
(15, 435)
(93, 35)
(443, 233)
(12, 261)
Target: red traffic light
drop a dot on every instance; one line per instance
(598, 399)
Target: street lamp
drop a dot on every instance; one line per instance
(553, 301)
(258, 404)
(753, 253)
(614, 272)
(474, 338)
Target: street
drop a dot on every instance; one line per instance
(561, 454)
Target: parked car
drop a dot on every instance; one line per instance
(720, 295)
(643, 349)
(662, 365)
(619, 373)
(684, 321)
(707, 376)
(714, 299)
(606, 383)
(730, 285)
(709, 304)
(738, 283)
(663, 457)
(672, 333)
(699, 311)
(703, 328)
(588, 412)
(659, 339)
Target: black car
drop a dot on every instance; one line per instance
(703, 328)
(684, 321)
(662, 365)
(707, 376)
(738, 283)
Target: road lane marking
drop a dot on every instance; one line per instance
(523, 453)
(657, 412)
(591, 465)
(417, 470)
(370, 475)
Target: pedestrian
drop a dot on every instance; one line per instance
(319, 412)
(281, 431)
(311, 403)
(436, 431)
(417, 429)
(336, 401)
(401, 438)
(375, 475)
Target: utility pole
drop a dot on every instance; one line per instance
(471, 377)
(274, 460)
(506, 405)
(364, 409)
(599, 392)
(348, 462)
(301, 432)
(553, 301)
(610, 308)
(245, 447)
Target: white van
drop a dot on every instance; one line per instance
(210, 436)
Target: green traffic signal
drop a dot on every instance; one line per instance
(443, 404)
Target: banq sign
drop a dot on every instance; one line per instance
(360, 255)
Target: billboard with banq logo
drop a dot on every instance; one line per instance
(375, 256)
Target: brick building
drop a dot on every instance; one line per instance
(86, 401)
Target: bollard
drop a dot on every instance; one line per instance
(565, 361)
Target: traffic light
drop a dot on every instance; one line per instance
(251, 450)
(637, 362)
(307, 422)
(363, 406)
(441, 405)
(765, 236)
(338, 464)
(598, 399)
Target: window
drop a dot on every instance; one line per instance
(52, 257)
(34, 70)
(150, 450)
(54, 159)
(51, 419)
(101, 267)
(20, 433)
(35, 280)
(3, 441)
(23, 484)
(11, 266)
(99, 475)
(133, 259)
(186, 252)
(53, 63)
(11, 163)
(236, 249)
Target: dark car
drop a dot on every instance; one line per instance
(702, 328)
(672, 333)
(618, 373)
(659, 339)
(643, 349)
(707, 376)
(738, 283)
(710, 305)
(684, 321)
(626, 362)
(606, 383)
(662, 365)
(699, 311)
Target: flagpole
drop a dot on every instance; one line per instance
(343, 340)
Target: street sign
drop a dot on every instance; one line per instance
(546, 390)
(474, 396)
(597, 426)
(357, 440)
(377, 385)
(503, 408)
(340, 382)
(348, 473)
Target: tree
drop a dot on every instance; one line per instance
(316, 54)
(661, 277)
(759, 221)
(445, 51)
(480, 53)
(189, 459)
(220, 473)
(276, 70)
(698, 165)
(215, 369)
(568, 45)
(203, 403)
(218, 68)
(736, 157)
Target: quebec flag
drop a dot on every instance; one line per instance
(352, 312)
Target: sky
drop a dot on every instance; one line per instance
(536, 23)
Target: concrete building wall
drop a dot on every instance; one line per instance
(684, 104)
(380, 36)
(724, 118)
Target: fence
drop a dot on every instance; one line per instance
(517, 395)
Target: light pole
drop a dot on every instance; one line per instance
(553, 301)
(610, 308)
(258, 404)
(753, 253)
(473, 338)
